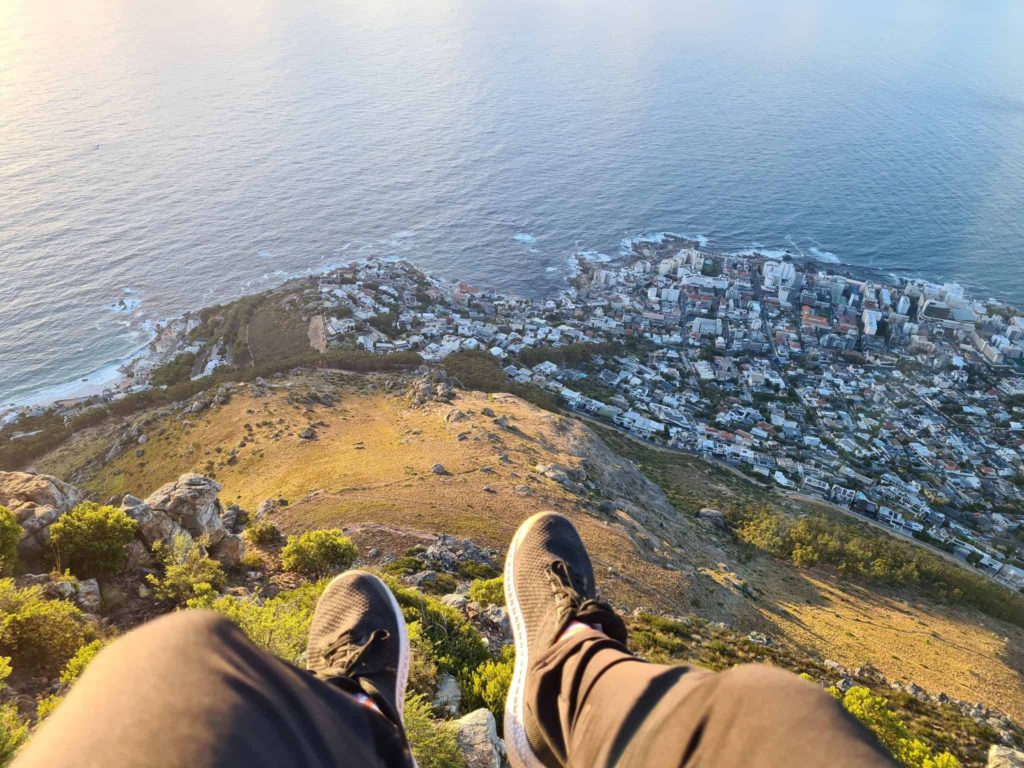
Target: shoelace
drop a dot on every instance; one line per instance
(587, 610)
(346, 656)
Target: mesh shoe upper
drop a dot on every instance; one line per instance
(358, 640)
(549, 582)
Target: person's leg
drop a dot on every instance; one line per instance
(614, 709)
(191, 690)
(578, 698)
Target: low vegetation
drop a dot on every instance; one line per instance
(488, 591)
(188, 571)
(91, 540)
(317, 554)
(37, 633)
(858, 551)
(874, 712)
(10, 532)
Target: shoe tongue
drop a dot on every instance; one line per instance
(594, 612)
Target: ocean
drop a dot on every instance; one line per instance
(161, 156)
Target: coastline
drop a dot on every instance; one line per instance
(120, 375)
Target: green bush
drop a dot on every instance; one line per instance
(263, 532)
(432, 741)
(422, 669)
(77, 664)
(489, 684)
(455, 646)
(318, 553)
(46, 706)
(38, 634)
(13, 732)
(188, 572)
(279, 625)
(488, 591)
(873, 711)
(10, 532)
(92, 540)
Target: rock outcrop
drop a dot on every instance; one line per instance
(477, 734)
(37, 502)
(1004, 757)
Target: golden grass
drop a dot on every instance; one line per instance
(372, 460)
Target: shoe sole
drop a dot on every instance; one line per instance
(517, 744)
(402, 676)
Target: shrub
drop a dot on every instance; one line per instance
(454, 645)
(92, 540)
(13, 732)
(318, 553)
(422, 669)
(488, 591)
(873, 711)
(404, 566)
(77, 664)
(10, 532)
(47, 705)
(279, 625)
(263, 532)
(489, 684)
(36, 633)
(187, 571)
(432, 741)
(252, 561)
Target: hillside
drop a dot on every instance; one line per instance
(329, 449)
(371, 462)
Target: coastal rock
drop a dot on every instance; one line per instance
(191, 502)
(477, 735)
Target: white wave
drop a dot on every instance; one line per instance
(124, 306)
(820, 254)
(758, 250)
(525, 238)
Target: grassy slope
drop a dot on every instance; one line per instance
(372, 463)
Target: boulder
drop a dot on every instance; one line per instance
(455, 415)
(1004, 757)
(455, 600)
(37, 501)
(154, 525)
(191, 502)
(438, 469)
(229, 551)
(88, 596)
(423, 578)
(714, 517)
(449, 697)
(477, 735)
(307, 434)
(23, 490)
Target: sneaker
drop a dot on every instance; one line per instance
(549, 582)
(358, 641)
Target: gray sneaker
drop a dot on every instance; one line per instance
(358, 641)
(549, 582)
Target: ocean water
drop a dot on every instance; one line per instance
(158, 156)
